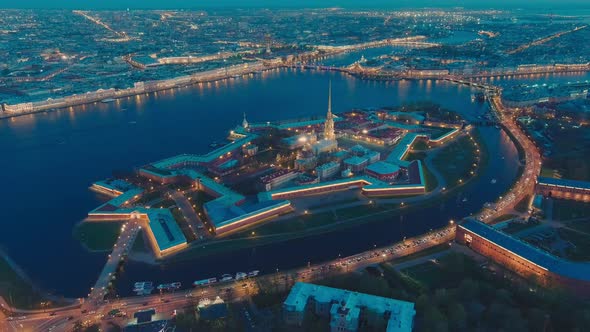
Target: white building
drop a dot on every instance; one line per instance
(327, 170)
(346, 310)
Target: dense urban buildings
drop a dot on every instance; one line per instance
(341, 169)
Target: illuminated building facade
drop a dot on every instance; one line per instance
(524, 259)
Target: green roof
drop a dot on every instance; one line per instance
(165, 229)
(383, 167)
(402, 312)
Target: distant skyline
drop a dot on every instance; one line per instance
(539, 5)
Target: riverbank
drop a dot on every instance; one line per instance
(19, 291)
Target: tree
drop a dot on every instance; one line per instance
(93, 328)
(434, 320)
(457, 317)
(536, 319)
(441, 297)
(186, 320)
(582, 319)
(468, 289)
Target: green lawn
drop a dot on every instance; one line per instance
(439, 132)
(515, 227)
(430, 179)
(455, 161)
(455, 294)
(183, 224)
(568, 209)
(503, 217)
(99, 235)
(420, 145)
(581, 252)
(580, 225)
(427, 274)
(139, 245)
(415, 155)
(548, 172)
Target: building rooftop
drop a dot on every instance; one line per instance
(224, 215)
(355, 160)
(155, 326)
(219, 189)
(329, 165)
(399, 152)
(402, 312)
(165, 229)
(383, 168)
(572, 184)
(118, 201)
(181, 160)
(541, 258)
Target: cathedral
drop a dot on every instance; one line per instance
(328, 143)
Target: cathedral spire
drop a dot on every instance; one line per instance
(329, 125)
(330, 98)
(245, 122)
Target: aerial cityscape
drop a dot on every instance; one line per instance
(256, 166)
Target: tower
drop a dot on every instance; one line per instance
(329, 125)
(268, 42)
(245, 123)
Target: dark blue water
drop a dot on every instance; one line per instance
(49, 160)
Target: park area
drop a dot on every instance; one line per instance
(453, 292)
(458, 160)
(98, 236)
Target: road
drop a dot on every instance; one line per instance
(195, 223)
(94, 310)
(525, 185)
(124, 243)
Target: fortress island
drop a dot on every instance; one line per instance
(267, 170)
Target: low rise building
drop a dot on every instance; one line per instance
(356, 164)
(325, 145)
(383, 170)
(347, 310)
(327, 170)
(277, 178)
(563, 188)
(524, 259)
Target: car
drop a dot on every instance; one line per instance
(52, 314)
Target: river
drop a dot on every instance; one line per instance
(50, 159)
